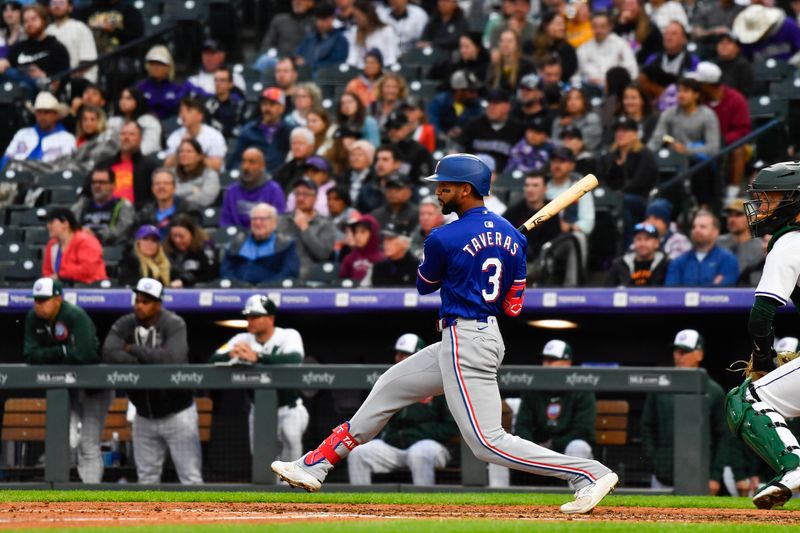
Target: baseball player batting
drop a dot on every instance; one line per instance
(478, 263)
(758, 408)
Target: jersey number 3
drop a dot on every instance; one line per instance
(493, 283)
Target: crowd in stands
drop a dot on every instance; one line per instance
(314, 173)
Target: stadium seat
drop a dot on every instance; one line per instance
(507, 182)
(61, 179)
(211, 217)
(169, 125)
(11, 93)
(13, 252)
(225, 235)
(322, 274)
(10, 234)
(771, 70)
(194, 10)
(605, 241)
(113, 254)
(424, 90)
(16, 176)
(670, 162)
(64, 195)
(36, 236)
(29, 216)
(424, 57)
(765, 107)
(26, 271)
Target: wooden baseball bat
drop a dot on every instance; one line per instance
(560, 202)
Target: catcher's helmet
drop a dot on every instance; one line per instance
(775, 197)
(464, 168)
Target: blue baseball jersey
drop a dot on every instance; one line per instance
(475, 261)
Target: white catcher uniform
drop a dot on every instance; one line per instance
(283, 347)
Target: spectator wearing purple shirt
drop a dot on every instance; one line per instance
(766, 32)
(162, 92)
(659, 86)
(269, 133)
(255, 186)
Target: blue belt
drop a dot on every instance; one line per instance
(446, 322)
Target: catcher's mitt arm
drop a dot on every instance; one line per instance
(748, 369)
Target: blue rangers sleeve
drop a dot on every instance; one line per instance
(431, 268)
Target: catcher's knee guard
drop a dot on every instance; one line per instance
(762, 429)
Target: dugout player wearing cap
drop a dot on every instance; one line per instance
(757, 410)
(266, 344)
(658, 419)
(560, 421)
(165, 419)
(417, 437)
(478, 262)
(58, 332)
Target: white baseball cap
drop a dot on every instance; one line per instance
(150, 287)
(47, 288)
(409, 343)
(689, 340)
(706, 72)
(557, 349)
(787, 344)
(259, 305)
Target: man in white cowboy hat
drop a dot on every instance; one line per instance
(766, 32)
(47, 140)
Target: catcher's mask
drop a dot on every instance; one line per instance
(775, 198)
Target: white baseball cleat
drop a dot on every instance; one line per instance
(589, 496)
(298, 475)
(773, 495)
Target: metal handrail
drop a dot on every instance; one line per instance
(117, 51)
(691, 171)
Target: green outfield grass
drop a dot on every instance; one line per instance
(401, 498)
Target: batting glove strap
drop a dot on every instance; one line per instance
(512, 305)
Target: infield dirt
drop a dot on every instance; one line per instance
(24, 515)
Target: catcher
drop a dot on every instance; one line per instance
(758, 408)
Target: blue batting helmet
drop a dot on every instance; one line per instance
(464, 168)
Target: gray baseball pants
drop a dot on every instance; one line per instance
(177, 432)
(90, 410)
(464, 366)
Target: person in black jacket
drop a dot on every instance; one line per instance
(645, 266)
(494, 133)
(534, 190)
(445, 27)
(630, 167)
(399, 269)
(416, 161)
(39, 56)
(193, 258)
(165, 419)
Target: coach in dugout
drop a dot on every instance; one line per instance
(658, 420)
(164, 419)
(560, 421)
(57, 332)
(266, 344)
(417, 437)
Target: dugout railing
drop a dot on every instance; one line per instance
(691, 449)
